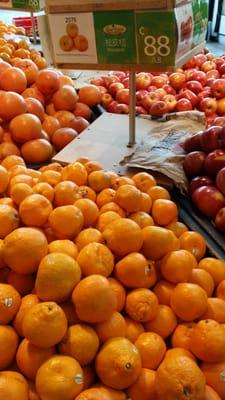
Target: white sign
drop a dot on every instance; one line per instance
(73, 38)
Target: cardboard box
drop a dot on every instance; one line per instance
(154, 40)
(57, 6)
(6, 4)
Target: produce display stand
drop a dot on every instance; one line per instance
(127, 35)
(30, 6)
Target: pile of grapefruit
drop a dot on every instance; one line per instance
(41, 111)
(104, 293)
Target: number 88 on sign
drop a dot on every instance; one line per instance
(156, 37)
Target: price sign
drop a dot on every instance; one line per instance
(156, 37)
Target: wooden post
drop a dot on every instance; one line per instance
(132, 110)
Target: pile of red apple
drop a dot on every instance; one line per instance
(204, 165)
(200, 84)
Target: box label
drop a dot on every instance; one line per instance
(27, 4)
(156, 37)
(115, 37)
(200, 15)
(73, 38)
(185, 24)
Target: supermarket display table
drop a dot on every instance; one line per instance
(105, 141)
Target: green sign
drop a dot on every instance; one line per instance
(156, 37)
(115, 37)
(26, 4)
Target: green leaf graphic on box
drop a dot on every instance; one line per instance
(200, 13)
(156, 37)
(115, 37)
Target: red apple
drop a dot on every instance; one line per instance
(97, 81)
(208, 105)
(209, 200)
(222, 69)
(207, 88)
(198, 76)
(200, 59)
(106, 99)
(192, 143)
(184, 105)
(177, 80)
(190, 63)
(202, 95)
(199, 181)
(120, 74)
(221, 106)
(171, 102)
(222, 136)
(208, 66)
(121, 109)
(159, 81)
(214, 162)
(169, 89)
(112, 106)
(165, 75)
(219, 121)
(140, 94)
(210, 118)
(210, 56)
(210, 138)
(209, 83)
(189, 95)
(189, 72)
(220, 180)
(143, 80)
(218, 88)
(213, 74)
(115, 87)
(195, 86)
(152, 88)
(148, 100)
(160, 93)
(220, 220)
(125, 82)
(140, 110)
(218, 61)
(194, 163)
(102, 89)
(178, 70)
(109, 79)
(159, 108)
(122, 96)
